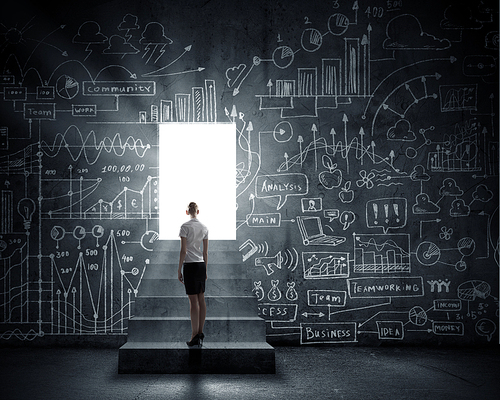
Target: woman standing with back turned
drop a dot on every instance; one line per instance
(193, 233)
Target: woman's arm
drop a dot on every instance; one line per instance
(182, 256)
(205, 254)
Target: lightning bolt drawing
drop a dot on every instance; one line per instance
(127, 35)
(162, 51)
(89, 50)
(148, 49)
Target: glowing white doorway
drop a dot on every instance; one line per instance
(197, 162)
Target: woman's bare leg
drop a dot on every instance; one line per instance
(194, 311)
(202, 311)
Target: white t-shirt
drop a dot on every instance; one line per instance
(194, 231)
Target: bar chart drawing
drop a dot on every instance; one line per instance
(379, 253)
(336, 81)
(166, 108)
(182, 107)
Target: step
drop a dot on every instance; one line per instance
(217, 306)
(213, 358)
(214, 257)
(213, 287)
(178, 329)
(213, 245)
(164, 270)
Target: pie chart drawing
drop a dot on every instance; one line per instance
(311, 40)
(98, 231)
(417, 316)
(338, 24)
(148, 240)
(466, 246)
(428, 253)
(283, 57)
(67, 87)
(470, 290)
(79, 233)
(57, 233)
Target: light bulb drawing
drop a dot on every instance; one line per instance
(26, 207)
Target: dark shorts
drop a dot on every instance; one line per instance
(194, 277)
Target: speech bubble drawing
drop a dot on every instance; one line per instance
(386, 213)
(281, 186)
(486, 327)
(331, 214)
(347, 218)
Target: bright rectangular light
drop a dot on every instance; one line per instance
(197, 162)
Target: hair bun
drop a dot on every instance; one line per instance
(192, 208)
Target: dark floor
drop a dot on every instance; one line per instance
(301, 373)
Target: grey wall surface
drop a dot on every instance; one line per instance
(367, 161)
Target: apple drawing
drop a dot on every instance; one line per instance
(346, 195)
(333, 177)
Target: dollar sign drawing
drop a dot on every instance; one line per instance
(259, 292)
(291, 293)
(274, 294)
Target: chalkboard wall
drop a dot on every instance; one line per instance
(367, 161)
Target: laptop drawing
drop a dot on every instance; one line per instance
(312, 232)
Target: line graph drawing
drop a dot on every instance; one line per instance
(90, 148)
(127, 204)
(459, 152)
(14, 285)
(75, 287)
(325, 265)
(353, 149)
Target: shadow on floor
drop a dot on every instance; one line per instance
(301, 373)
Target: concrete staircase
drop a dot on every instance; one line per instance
(235, 337)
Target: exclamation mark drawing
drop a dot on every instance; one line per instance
(386, 209)
(396, 211)
(375, 211)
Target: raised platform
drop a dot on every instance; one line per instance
(212, 358)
